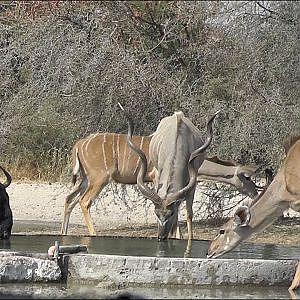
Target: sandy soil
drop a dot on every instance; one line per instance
(38, 208)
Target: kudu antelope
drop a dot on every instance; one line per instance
(230, 172)
(282, 193)
(104, 157)
(176, 151)
(6, 217)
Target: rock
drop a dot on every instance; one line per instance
(28, 269)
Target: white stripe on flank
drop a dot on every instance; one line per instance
(104, 155)
(128, 158)
(118, 151)
(138, 160)
(124, 158)
(86, 143)
(113, 148)
(84, 151)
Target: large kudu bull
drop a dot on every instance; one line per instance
(105, 157)
(176, 150)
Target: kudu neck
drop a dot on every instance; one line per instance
(213, 171)
(269, 207)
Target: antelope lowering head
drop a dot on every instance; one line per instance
(176, 150)
(232, 233)
(280, 194)
(230, 172)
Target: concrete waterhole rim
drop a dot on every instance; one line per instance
(126, 271)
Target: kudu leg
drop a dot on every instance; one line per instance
(69, 205)
(87, 199)
(189, 220)
(293, 295)
(296, 281)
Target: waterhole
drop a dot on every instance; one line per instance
(143, 247)
(147, 247)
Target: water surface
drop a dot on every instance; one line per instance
(144, 247)
(65, 291)
(148, 247)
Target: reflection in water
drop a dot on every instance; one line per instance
(5, 244)
(85, 240)
(294, 294)
(76, 291)
(164, 247)
(147, 247)
(268, 250)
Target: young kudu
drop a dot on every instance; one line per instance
(176, 150)
(101, 158)
(282, 193)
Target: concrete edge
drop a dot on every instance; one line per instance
(120, 271)
(134, 271)
(17, 268)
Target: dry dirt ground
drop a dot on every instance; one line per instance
(38, 209)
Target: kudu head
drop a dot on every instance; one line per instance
(6, 221)
(231, 233)
(237, 229)
(166, 209)
(243, 181)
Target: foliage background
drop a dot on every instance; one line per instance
(64, 65)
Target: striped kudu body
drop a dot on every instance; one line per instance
(176, 150)
(282, 193)
(99, 159)
(104, 157)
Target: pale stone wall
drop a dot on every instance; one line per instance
(116, 271)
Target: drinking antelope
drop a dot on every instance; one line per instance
(104, 157)
(6, 217)
(176, 150)
(282, 193)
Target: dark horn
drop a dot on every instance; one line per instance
(269, 176)
(145, 190)
(208, 139)
(8, 178)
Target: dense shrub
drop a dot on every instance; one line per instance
(64, 65)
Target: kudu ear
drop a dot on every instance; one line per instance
(174, 203)
(178, 202)
(242, 216)
(248, 174)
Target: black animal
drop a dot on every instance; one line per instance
(6, 217)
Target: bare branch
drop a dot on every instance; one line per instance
(290, 21)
